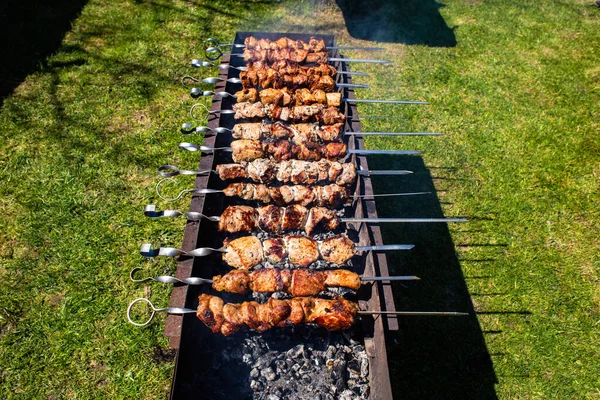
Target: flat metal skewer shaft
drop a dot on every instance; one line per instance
(390, 278)
(425, 313)
(345, 100)
(402, 220)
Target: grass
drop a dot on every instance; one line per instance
(517, 98)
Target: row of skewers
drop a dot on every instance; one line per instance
(289, 86)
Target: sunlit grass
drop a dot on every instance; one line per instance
(517, 99)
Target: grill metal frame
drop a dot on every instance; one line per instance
(184, 331)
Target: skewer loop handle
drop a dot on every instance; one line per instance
(169, 310)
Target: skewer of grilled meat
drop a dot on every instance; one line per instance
(297, 133)
(321, 77)
(313, 45)
(248, 251)
(289, 97)
(325, 196)
(297, 282)
(311, 113)
(290, 171)
(337, 314)
(277, 220)
(244, 150)
(299, 56)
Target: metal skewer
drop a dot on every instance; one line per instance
(200, 63)
(167, 279)
(147, 251)
(218, 54)
(170, 171)
(181, 311)
(151, 212)
(215, 44)
(195, 92)
(213, 191)
(194, 147)
(187, 129)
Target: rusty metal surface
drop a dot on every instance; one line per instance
(186, 331)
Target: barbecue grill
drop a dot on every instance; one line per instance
(294, 363)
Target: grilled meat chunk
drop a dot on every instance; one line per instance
(237, 219)
(338, 249)
(244, 252)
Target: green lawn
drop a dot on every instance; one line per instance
(517, 99)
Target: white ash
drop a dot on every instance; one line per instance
(301, 363)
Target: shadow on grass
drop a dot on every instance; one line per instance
(398, 21)
(430, 357)
(31, 31)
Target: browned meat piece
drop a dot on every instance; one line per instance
(250, 42)
(341, 278)
(238, 219)
(304, 172)
(261, 193)
(296, 316)
(275, 250)
(246, 150)
(271, 96)
(276, 311)
(298, 55)
(247, 95)
(316, 46)
(302, 195)
(268, 280)
(306, 113)
(269, 218)
(338, 249)
(334, 151)
(331, 115)
(248, 110)
(303, 96)
(306, 152)
(317, 58)
(348, 175)
(302, 133)
(306, 283)
(331, 195)
(210, 312)
(235, 281)
(231, 171)
(333, 99)
(294, 218)
(287, 99)
(332, 315)
(232, 321)
(321, 219)
(331, 133)
(323, 167)
(250, 130)
(262, 170)
(319, 96)
(302, 250)
(244, 252)
(281, 131)
(284, 171)
(249, 79)
(325, 83)
(280, 150)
